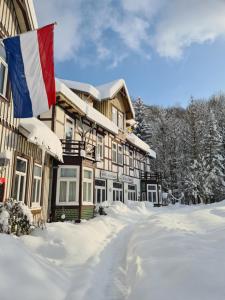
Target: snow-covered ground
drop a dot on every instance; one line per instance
(132, 253)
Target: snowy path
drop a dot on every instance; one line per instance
(107, 279)
(174, 253)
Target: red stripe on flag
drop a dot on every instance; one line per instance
(46, 49)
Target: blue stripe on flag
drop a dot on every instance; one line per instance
(20, 92)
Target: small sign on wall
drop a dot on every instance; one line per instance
(2, 188)
(108, 175)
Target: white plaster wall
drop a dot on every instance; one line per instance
(110, 191)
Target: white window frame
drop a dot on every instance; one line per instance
(101, 188)
(115, 115)
(36, 178)
(100, 146)
(72, 121)
(20, 174)
(114, 150)
(119, 152)
(120, 119)
(89, 181)
(119, 192)
(3, 62)
(155, 191)
(132, 193)
(68, 179)
(131, 159)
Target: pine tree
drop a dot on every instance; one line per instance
(213, 161)
(142, 130)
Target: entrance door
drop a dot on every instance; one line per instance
(117, 191)
(100, 192)
(152, 195)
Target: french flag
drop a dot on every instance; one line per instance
(31, 71)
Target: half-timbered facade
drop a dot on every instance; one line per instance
(25, 162)
(103, 160)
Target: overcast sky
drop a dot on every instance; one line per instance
(166, 50)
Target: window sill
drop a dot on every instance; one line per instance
(87, 203)
(35, 206)
(66, 203)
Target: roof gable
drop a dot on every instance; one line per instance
(102, 92)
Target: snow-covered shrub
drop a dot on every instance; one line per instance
(16, 218)
(4, 219)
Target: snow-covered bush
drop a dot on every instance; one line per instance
(15, 218)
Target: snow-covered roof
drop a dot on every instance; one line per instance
(101, 92)
(90, 112)
(136, 141)
(38, 133)
(83, 87)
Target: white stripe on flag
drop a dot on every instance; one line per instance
(33, 71)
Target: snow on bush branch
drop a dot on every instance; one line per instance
(15, 218)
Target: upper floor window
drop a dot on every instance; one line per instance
(69, 128)
(131, 159)
(100, 146)
(120, 154)
(3, 72)
(117, 117)
(114, 115)
(120, 120)
(114, 152)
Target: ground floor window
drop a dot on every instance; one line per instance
(20, 179)
(36, 191)
(152, 193)
(100, 191)
(67, 185)
(117, 191)
(132, 192)
(87, 185)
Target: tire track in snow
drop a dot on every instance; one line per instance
(104, 277)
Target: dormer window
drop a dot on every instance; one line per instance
(114, 115)
(120, 120)
(118, 117)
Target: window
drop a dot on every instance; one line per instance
(152, 193)
(20, 179)
(114, 152)
(131, 159)
(100, 191)
(114, 115)
(120, 155)
(36, 192)
(69, 128)
(3, 71)
(117, 191)
(132, 192)
(88, 185)
(100, 146)
(120, 120)
(67, 185)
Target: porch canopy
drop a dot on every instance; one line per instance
(38, 133)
